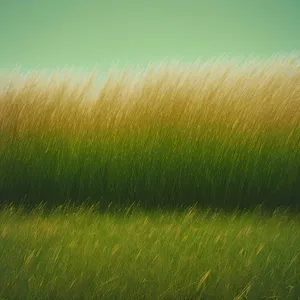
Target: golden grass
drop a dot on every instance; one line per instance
(224, 133)
(248, 99)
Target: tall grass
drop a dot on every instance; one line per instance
(224, 136)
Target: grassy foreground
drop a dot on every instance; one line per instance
(82, 254)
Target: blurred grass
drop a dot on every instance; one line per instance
(78, 253)
(175, 136)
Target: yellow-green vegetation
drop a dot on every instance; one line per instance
(82, 254)
(219, 137)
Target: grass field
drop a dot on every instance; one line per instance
(223, 137)
(83, 254)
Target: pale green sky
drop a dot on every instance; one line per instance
(44, 34)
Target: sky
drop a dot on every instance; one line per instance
(83, 34)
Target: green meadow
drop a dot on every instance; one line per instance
(181, 182)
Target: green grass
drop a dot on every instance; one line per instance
(84, 254)
(177, 137)
(221, 141)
